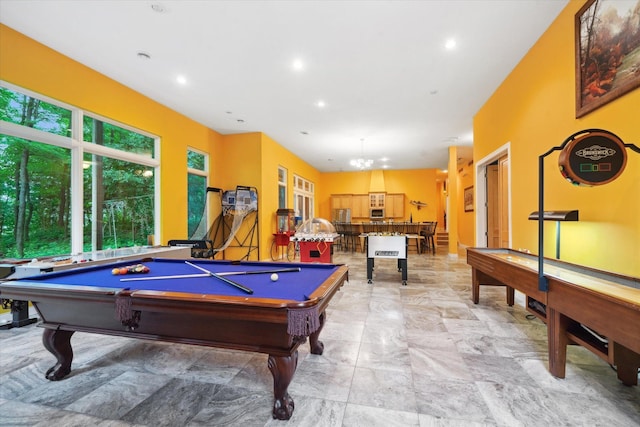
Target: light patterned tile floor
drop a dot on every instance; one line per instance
(415, 355)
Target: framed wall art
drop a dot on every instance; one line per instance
(468, 199)
(607, 38)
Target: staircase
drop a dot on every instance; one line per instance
(442, 239)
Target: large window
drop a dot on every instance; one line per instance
(24, 110)
(118, 203)
(197, 194)
(71, 182)
(303, 193)
(35, 193)
(117, 137)
(282, 188)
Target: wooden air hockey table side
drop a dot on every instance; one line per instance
(580, 301)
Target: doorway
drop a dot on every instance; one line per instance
(493, 178)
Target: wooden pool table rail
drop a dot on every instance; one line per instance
(258, 325)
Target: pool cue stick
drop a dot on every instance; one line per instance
(177, 276)
(277, 270)
(225, 273)
(224, 279)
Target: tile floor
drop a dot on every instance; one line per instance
(415, 355)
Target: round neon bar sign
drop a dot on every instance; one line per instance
(592, 158)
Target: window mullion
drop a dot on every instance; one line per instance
(77, 185)
(197, 172)
(113, 153)
(32, 134)
(133, 209)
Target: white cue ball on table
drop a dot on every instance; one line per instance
(274, 277)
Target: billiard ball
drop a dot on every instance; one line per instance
(274, 277)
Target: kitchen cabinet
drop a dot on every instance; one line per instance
(394, 206)
(341, 201)
(376, 200)
(360, 203)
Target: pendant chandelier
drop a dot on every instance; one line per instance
(361, 163)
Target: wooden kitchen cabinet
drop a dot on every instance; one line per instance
(360, 206)
(376, 200)
(342, 201)
(394, 206)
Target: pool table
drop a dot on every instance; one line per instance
(177, 302)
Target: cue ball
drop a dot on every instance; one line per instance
(274, 277)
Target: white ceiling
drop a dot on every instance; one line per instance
(391, 88)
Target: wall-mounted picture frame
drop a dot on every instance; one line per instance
(468, 199)
(607, 49)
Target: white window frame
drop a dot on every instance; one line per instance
(282, 184)
(204, 173)
(300, 194)
(78, 148)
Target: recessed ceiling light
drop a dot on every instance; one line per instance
(298, 65)
(181, 80)
(450, 44)
(304, 132)
(321, 104)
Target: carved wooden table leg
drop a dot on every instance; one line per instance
(316, 346)
(282, 368)
(58, 342)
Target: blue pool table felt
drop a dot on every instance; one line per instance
(289, 286)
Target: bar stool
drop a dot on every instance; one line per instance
(429, 232)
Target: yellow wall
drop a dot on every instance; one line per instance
(274, 156)
(419, 185)
(33, 66)
(415, 184)
(247, 159)
(236, 163)
(250, 159)
(534, 110)
(454, 190)
(466, 220)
